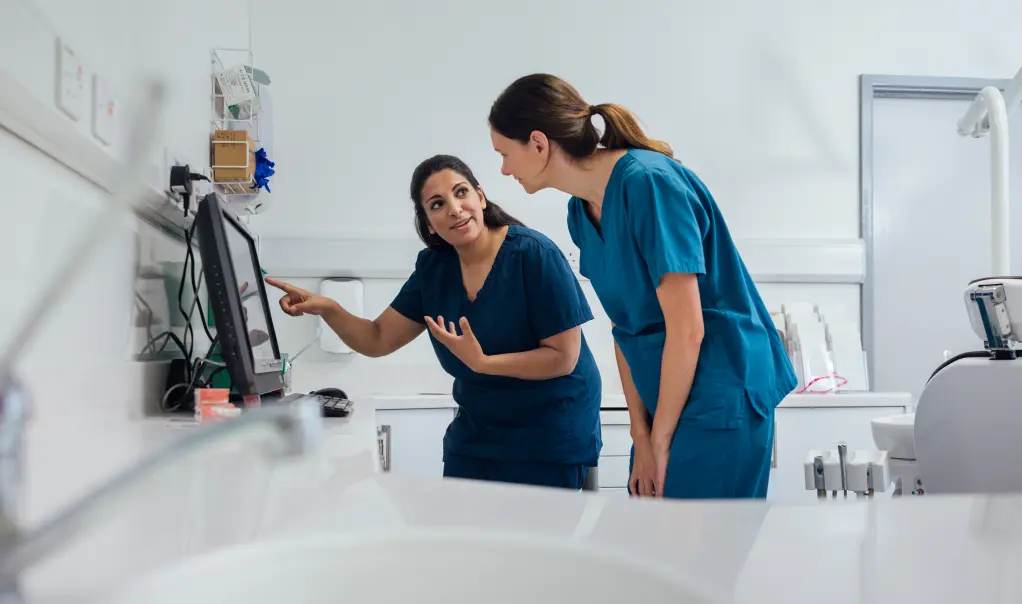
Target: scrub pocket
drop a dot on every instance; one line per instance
(715, 406)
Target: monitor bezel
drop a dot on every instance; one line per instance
(249, 377)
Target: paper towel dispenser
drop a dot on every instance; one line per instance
(349, 294)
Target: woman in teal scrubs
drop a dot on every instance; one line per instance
(701, 364)
(504, 312)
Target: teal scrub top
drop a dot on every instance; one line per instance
(529, 295)
(659, 218)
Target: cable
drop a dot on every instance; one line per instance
(167, 336)
(193, 379)
(195, 291)
(212, 376)
(189, 333)
(972, 354)
(149, 317)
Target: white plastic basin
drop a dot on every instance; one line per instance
(406, 568)
(896, 435)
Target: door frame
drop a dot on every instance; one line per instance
(894, 87)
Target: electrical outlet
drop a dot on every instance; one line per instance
(103, 110)
(70, 82)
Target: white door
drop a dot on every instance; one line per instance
(931, 235)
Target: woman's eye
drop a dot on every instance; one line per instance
(435, 205)
(462, 192)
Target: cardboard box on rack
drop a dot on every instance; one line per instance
(233, 148)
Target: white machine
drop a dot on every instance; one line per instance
(966, 434)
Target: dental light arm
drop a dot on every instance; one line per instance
(989, 113)
(976, 122)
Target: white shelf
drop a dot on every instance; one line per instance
(391, 257)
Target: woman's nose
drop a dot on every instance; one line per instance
(504, 170)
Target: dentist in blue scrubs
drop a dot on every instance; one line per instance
(505, 313)
(701, 364)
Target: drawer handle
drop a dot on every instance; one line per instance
(383, 434)
(773, 452)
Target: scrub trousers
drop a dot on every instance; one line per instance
(732, 463)
(564, 476)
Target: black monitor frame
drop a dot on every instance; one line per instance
(249, 376)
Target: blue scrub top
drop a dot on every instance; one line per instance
(659, 218)
(530, 294)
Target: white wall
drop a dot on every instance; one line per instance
(77, 368)
(760, 99)
(124, 41)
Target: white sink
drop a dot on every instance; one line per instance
(896, 435)
(405, 568)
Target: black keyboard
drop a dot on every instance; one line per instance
(331, 406)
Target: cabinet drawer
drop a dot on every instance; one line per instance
(613, 472)
(617, 440)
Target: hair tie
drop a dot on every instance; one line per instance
(592, 110)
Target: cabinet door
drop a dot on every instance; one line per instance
(799, 430)
(415, 439)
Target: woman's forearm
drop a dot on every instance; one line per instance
(677, 371)
(637, 414)
(543, 363)
(361, 335)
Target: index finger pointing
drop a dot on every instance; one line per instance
(280, 285)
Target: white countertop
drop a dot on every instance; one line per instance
(926, 549)
(617, 401)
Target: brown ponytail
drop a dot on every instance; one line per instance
(546, 103)
(622, 131)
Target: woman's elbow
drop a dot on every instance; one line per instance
(567, 362)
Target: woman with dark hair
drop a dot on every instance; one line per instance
(526, 384)
(701, 364)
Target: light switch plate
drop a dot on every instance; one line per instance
(104, 110)
(70, 82)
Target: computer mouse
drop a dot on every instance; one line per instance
(331, 392)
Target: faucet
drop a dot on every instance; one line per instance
(298, 424)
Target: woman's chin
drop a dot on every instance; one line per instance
(530, 188)
(457, 237)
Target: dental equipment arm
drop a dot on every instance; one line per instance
(989, 113)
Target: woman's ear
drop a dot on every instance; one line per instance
(539, 142)
(482, 197)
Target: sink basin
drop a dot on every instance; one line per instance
(407, 567)
(896, 435)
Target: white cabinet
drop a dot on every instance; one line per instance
(801, 429)
(617, 445)
(413, 440)
(801, 423)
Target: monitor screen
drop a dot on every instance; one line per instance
(253, 312)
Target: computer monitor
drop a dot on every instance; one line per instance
(237, 295)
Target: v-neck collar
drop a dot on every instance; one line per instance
(486, 281)
(600, 230)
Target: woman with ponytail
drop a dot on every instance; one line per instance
(526, 384)
(702, 366)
